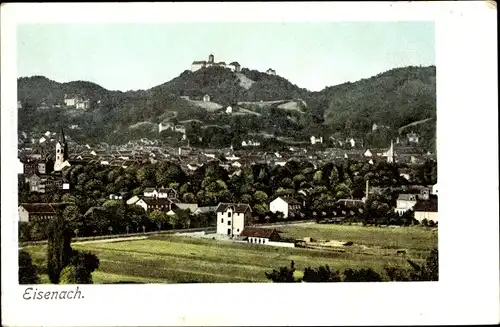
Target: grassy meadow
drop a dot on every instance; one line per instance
(180, 259)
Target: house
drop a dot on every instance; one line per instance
(285, 206)
(165, 126)
(203, 210)
(46, 183)
(232, 218)
(271, 71)
(192, 207)
(151, 204)
(405, 202)
(234, 66)
(150, 192)
(206, 98)
(315, 139)
(229, 110)
(405, 173)
(115, 197)
(368, 153)
(412, 138)
(259, 235)
(39, 211)
(434, 189)
(427, 209)
(351, 203)
(133, 200)
(169, 193)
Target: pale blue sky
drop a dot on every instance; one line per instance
(139, 56)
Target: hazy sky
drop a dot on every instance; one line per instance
(139, 56)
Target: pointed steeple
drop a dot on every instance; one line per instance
(61, 138)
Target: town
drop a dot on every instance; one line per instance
(307, 191)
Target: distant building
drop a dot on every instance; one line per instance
(271, 71)
(412, 138)
(285, 206)
(77, 102)
(315, 139)
(390, 154)
(232, 218)
(256, 235)
(427, 209)
(206, 98)
(368, 153)
(405, 202)
(150, 204)
(196, 65)
(169, 193)
(39, 211)
(229, 110)
(234, 66)
(61, 153)
(434, 189)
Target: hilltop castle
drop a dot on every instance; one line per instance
(234, 66)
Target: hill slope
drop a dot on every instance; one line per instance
(394, 98)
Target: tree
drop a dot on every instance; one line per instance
(158, 217)
(334, 177)
(283, 275)
(318, 177)
(27, 271)
(58, 247)
(81, 268)
(322, 274)
(429, 271)
(189, 198)
(362, 275)
(260, 197)
(72, 216)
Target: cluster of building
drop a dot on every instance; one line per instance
(424, 204)
(77, 102)
(196, 65)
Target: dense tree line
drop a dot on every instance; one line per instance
(316, 189)
(428, 271)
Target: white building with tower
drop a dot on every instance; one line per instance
(61, 153)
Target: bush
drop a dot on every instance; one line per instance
(27, 271)
(362, 275)
(68, 275)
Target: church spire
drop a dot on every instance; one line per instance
(61, 139)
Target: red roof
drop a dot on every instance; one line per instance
(42, 208)
(257, 232)
(430, 205)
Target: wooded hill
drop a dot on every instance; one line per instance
(393, 99)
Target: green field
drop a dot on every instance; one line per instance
(178, 259)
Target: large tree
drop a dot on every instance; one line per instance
(58, 247)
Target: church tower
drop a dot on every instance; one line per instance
(61, 152)
(390, 154)
(211, 59)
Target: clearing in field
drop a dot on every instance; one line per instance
(182, 259)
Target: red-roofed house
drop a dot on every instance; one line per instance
(427, 209)
(260, 235)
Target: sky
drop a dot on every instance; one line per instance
(139, 56)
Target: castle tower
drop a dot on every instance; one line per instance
(61, 152)
(211, 59)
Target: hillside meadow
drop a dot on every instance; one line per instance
(182, 259)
